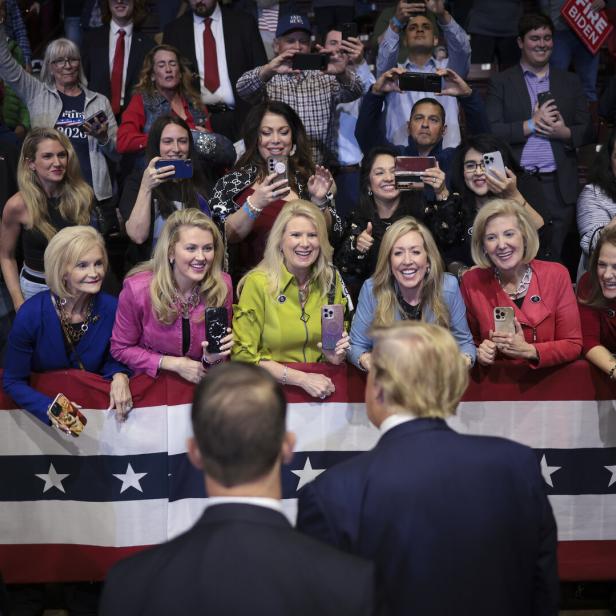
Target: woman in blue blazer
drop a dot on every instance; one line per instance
(408, 283)
(68, 326)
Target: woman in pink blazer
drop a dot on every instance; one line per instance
(160, 321)
(546, 329)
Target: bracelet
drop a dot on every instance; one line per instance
(207, 363)
(610, 374)
(394, 20)
(249, 212)
(160, 363)
(255, 210)
(283, 381)
(531, 126)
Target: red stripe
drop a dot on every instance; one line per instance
(21, 564)
(577, 561)
(502, 382)
(586, 560)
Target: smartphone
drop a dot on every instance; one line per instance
(503, 320)
(493, 161)
(216, 325)
(409, 170)
(420, 82)
(310, 61)
(65, 416)
(183, 168)
(99, 116)
(332, 325)
(544, 97)
(279, 165)
(348, 30)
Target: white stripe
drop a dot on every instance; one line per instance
(585, 517)
(119, 524)
(145, 431)
(179, 429)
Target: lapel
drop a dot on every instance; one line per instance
(188, 48)
(532, 313)
(134, 63)
(54, 338)
(521, 91)
(227, 22)
(104, 56)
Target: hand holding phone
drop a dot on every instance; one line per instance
(216, 324)
(494, 165)
(420, 82)
(409, 171)
(183, 167)
(65, 416)
(332, 325)
(504, 317)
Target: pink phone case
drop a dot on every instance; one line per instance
(332, 325)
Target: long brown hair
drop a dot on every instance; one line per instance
(145, 85)
(595, 297)
(300, 162)
(75, 194)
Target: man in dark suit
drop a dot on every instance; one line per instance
(456, 524)
(544, 134)
(238, 48)
(242, 556)
(101, 45)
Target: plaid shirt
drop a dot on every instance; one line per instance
(16, 29)
(313, 95)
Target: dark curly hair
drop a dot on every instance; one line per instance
(600, 172)
(300, 162)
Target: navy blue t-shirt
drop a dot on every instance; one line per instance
(69, 122)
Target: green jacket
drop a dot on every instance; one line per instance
(270, 326)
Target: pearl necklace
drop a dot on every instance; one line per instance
(523, 285)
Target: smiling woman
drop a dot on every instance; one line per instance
(546, 329)
(597, 303)
(52, 195)
(68, 326)
(161, 319)
(408, 283)
(278, 316)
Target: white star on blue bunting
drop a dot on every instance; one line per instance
(52, 479)
(130, 479)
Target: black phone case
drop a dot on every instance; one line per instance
(420, 82)
(216, 324)
(310, 61)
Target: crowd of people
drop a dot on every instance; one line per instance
(251, 191)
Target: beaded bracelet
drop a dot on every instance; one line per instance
(283, 380)
(255, 210)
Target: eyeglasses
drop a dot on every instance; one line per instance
(64, 61)
(470, 166)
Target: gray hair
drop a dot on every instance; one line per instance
(60, 48)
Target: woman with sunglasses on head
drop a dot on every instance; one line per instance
(52, 195)
(61, 100)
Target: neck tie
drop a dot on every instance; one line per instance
(210, 60)
(116, 73)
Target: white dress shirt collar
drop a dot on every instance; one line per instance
(259, 501)
(128, 29)
(394, 420)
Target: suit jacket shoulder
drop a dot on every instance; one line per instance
(240, 559)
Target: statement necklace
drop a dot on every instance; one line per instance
(72, 333)
(522, 287)
(186, 306)
(303, 292)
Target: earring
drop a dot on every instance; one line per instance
(171, 262)
(370, 192)
(293, 150)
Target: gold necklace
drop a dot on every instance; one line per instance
(74, 334)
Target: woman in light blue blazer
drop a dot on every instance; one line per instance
(408, 283)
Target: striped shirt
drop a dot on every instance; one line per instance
(537, 154)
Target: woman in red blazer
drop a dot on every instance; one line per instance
(546, 329)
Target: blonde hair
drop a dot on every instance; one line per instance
(60, 48)
(384, 283)
(273, 260)
(419, 368)
(503, 207)
(163, 288)
(75, 194)
(64, 250)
